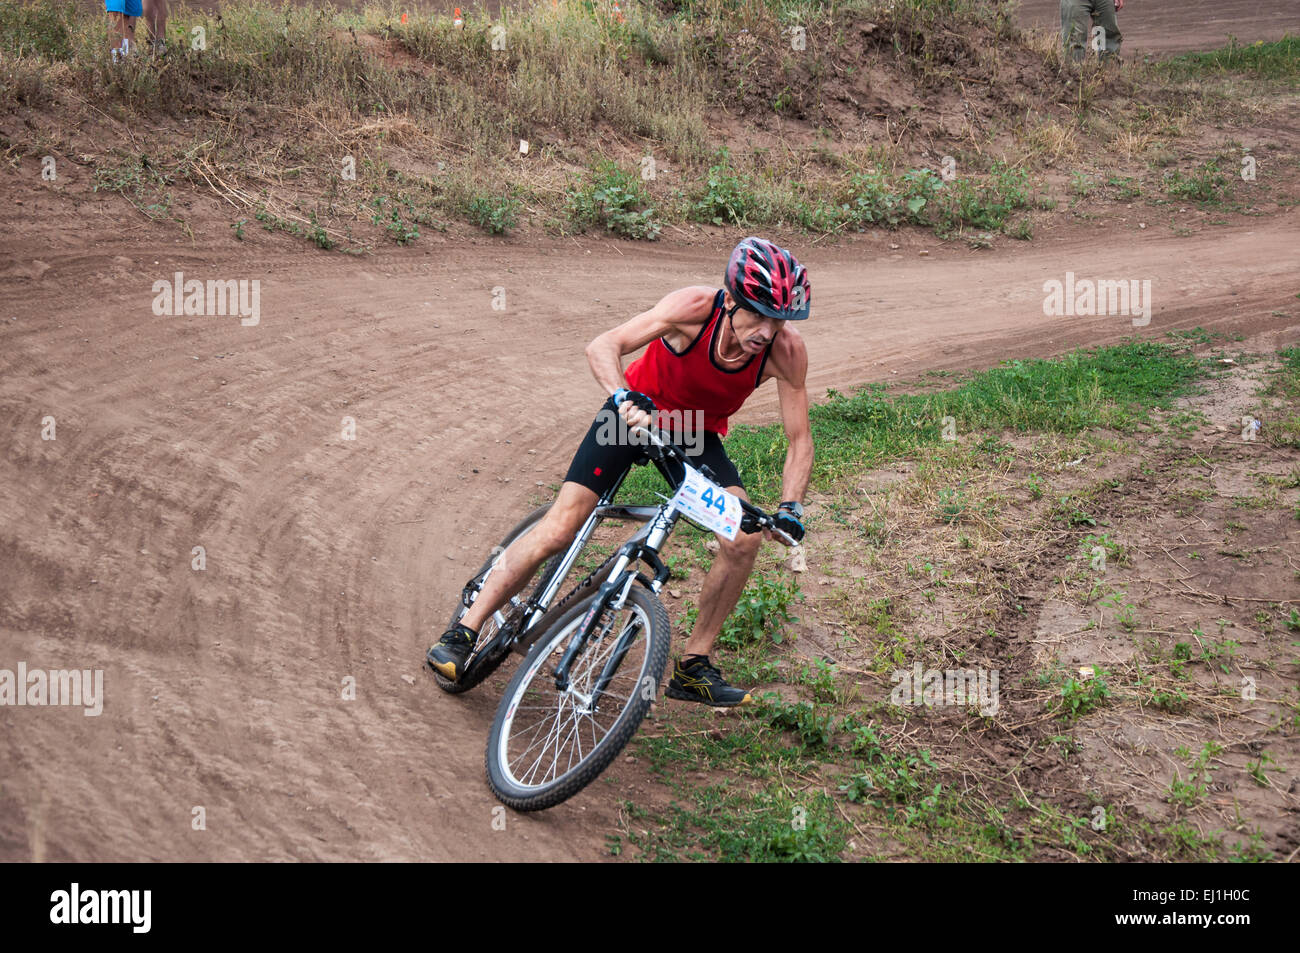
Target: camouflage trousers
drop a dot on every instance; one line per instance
(1077, 16)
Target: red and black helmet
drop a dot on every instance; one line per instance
(766, 278)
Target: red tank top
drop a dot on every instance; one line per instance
(692, 380)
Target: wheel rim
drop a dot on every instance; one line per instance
(548, 734)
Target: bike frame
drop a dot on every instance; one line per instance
(659, 521)
(644, 546)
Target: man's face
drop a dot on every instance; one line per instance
(754, 330)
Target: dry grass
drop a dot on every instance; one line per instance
(433, 116)
(1051, 142)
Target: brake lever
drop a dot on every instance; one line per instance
(785, 538)
(659, 447)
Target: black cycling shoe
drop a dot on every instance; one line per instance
(447, 657)
(699, 681)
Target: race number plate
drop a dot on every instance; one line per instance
(706, 503)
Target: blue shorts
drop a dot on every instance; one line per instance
(132, 8)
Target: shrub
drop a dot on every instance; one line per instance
(727, 198)
(1205, 184)
(496, 214)
(616, 199)
(37, 29)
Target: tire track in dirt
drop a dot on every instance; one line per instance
(329, 558)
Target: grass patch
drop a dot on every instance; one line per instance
(724, 824)
(1205, 184)
(1279, 59)
(1112, 387)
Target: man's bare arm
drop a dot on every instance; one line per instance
(686, 306)
(790, 369)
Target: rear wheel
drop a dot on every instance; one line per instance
(547, 744)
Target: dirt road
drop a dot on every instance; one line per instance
(1170, 26)
(328, 559)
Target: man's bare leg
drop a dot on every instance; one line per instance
(723, 585)
(573, 504)
(515, 567)
(695, 679)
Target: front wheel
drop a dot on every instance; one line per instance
(547, 744)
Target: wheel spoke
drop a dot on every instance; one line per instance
(541, 755)
(548, 733)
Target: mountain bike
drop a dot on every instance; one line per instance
(594, 659)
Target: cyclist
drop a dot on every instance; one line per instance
(709, 349)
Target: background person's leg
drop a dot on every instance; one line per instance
(155, 14)
(1103, 14)
(1073, 32)
(121, 30)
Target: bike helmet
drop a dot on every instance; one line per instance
(766, 278)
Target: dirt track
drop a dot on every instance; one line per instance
(327, 558)
(1168, 26)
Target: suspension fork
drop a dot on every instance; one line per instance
(615, 660)
(629, 634)
(618, 578)
(620, 581)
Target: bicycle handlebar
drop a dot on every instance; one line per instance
(764, 519)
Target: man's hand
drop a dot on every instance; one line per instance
(635, 407)
(789, 524)
(1119, 5)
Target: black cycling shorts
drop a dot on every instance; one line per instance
(606, 453)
